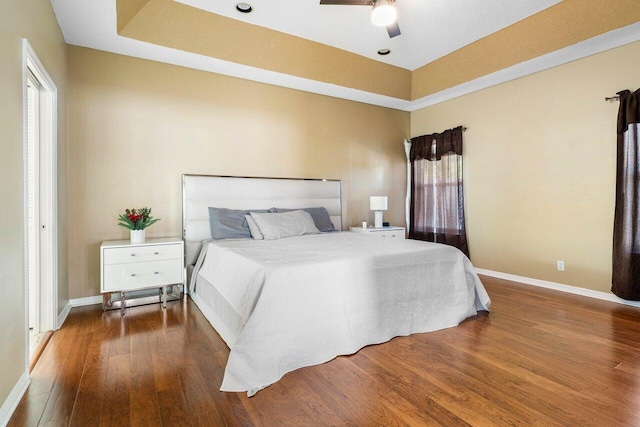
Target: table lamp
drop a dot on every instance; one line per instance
(378, 204)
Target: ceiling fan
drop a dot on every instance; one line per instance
(383, 13)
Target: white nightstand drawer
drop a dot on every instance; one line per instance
(385, 233)
(135, 254)
(390, 232)
(129, 276)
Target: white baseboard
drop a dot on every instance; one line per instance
(76, 302)
(80, 302)
(63, 315)
(10, 405)
(558, 287)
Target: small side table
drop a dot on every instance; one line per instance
(127, 267)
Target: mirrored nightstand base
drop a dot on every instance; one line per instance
(122, 300)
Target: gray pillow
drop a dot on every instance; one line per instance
(230, 223)
(286, 224)
(320, 217)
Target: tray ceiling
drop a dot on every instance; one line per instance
(430, 29)
(447, 47)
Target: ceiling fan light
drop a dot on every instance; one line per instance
(383, 13)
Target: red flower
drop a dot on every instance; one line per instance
(137, 219)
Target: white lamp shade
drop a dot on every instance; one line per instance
(378, 203)
(383, 13)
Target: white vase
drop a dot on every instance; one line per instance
(137, 236)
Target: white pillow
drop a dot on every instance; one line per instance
(253, 227)
(287, 224)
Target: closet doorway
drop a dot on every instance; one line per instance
(40, 187)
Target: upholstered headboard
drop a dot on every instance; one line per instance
(199, 192)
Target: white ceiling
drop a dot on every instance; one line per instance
(430, 30)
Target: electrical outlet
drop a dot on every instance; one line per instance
(560, 265)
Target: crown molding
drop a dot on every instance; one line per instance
(607, 41)
(592, 46)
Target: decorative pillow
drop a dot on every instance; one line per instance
(229, 223)
(253, 227)
(287, 224)
(320, 217)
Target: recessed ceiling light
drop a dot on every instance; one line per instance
(244, 7)
(384, 52)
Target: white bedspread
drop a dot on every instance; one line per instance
(305, 300)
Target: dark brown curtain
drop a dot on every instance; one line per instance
(626, 226)
(437, 201)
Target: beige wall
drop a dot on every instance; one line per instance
(540, 168)
(33, 19)
(138, 125)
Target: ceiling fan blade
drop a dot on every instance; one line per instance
(393, 29)
(348, 2)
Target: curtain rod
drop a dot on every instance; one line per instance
(464, 129)
(612, 98)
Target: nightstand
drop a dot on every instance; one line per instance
(127, 267)
(397, 232)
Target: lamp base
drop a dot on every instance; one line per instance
(378, 219)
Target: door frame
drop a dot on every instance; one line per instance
(48, 193)
(34, 251)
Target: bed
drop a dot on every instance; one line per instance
(287, 303)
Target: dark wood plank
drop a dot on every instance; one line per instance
(143, 403)
(116, 395)
(206, 419)
(539, 358)
(88, 405)
(173, 407)
(144, 409)
(229, 408)
(39, 349)
(29, 410)
(45, 372)
(64, 392)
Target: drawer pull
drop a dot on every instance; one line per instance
(156, 253)
(134, 274)
(133, 254)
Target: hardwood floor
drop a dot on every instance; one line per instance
(539, 358)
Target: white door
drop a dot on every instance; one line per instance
(40, 195)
